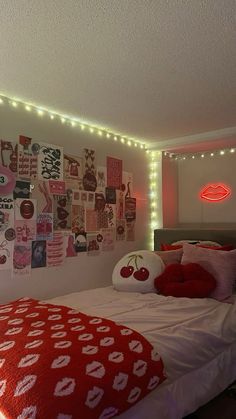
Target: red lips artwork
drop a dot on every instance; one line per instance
(215, 192)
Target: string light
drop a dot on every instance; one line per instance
(154, 192)
(69, 121)
(186, 156)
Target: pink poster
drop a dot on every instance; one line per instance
(6, 252)
(50, 162)
(73, 167)
(22, 260)
(93, 244)
(70, 245)
(9, 155)
(6, 212)
(110, 209)
(56, 250)
(91, 220)
(61, 212)
(57, 187)
(27, 161)
(108, 237)
(40, 192)
(114, 172)
(45, 226)
(77, 219)
(25, 230)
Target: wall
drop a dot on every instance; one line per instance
(82, 271)
(169, 192)
(193, 174)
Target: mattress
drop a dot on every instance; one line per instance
(196, 339)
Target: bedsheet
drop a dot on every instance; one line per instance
(196, 339)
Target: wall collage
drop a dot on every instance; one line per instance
(61, 205)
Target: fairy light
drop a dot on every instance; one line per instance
(232, 150)
(222, 152)
(212, 154)
(155, 158)
(202, 155)
(71, 121)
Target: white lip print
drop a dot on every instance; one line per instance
(120, 381)
(126, 332)
(15, 321)
(7, 345)
(153, 382)
(134, 395)
(103, 329)
(63, 416)
(85, 336)
(63, 344)
(54, 309)
(73, 311)
(4, 318)
(5, 309)
(116, 357)
(34, 344)
(2, 362)
(77, 328)
(61, 361)
(25, 385)
(95, 321)
(28, 360)
(38, 324)
(139, 368)
(109, 412)
(35, 333)
(64, 387)
(14, 331)
(59, 335)
(155, 355)
(32, 315)
(108, 341)
(93, 397)
(89, 350)
(54, 317)
(95, 369)
(74, 320)
(136, 346)
(3, 384)
(28, 413)
(22, 310)
(57, 326)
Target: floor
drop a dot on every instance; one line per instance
(222, 407)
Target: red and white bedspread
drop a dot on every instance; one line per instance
(56, 362)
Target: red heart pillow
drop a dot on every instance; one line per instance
(190, 280)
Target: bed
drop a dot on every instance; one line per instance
(196, 338)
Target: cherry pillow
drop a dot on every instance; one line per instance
(190, 280)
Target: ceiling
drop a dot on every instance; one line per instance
(156, 70)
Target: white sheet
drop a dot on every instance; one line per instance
(195, 337)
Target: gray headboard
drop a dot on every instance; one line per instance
(170, 235)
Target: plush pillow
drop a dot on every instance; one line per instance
(136, 271)
(189, 280)
(221, 264)
(170, 256)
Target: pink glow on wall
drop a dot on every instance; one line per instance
(215, 192)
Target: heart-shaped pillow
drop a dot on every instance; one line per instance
(190, 280)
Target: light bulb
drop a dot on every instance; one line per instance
(28, 108)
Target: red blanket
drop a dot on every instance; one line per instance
(56, 362)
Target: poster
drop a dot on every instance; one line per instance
(44, 226)
(22, 189)
(70, 245)
(101, 178)
(130, 209)
(130, 231)
(6, 212)
(6, 253)
(102, 219)
(93, 244)
(50, 162)
(120, 229)
(108, 237)
(100, 201)
(120, 206)
(25, 209)
(110, 195)
(27, 161)
(110, 209)
(73, 167)
(40, 192)
(38, 259)
(127, 183)
(57, 187)
(61, 212)
(89, 178)
(114, 172)
(9, 155)
(22, 259)
(91, 220)
(81, 242)
(77, 218)
(55, 250)
(25, 230)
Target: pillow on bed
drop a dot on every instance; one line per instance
(136, 271)
(170, 256)
(189, 280)
(206, 244)
(221, 264)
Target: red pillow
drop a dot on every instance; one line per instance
(226, 247)
(190, 280)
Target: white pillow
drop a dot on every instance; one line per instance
(136, 271)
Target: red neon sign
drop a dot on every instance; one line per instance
(215, 192)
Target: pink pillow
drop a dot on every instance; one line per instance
(170, 256)
(221, 264)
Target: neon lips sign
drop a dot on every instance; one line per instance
(215, 192)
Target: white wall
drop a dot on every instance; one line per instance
(193, 174)
(83, 271)
(169, 192)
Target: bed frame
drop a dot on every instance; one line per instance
(170, 235)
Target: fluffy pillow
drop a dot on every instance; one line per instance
(136, 271)
(189, 280)
(221, 264)
(170, 256)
